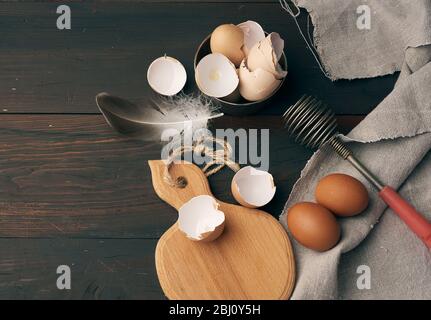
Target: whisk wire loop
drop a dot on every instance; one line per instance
(310, 122)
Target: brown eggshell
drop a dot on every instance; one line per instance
(266, 54)
(342, 194)
(228, 39)
(234, 97)
(238, 197)
(256, 85)
(313, 226)
(253, 188)
(207, 236)
(212, 235)
(202, 208)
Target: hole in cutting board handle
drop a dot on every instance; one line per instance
(181, 182)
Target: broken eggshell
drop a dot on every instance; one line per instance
(167, 76)
(258, 84)
(253, 33)
(200, 220)
(266, 53)
(217, 77)
(228, 39)
(253, 188)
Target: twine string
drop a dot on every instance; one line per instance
(310, 43)
(219, 158)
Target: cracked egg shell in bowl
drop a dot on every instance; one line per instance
(239, 106)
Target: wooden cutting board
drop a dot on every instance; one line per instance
(252, 259)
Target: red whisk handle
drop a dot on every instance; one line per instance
(414, 220)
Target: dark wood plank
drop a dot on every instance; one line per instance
(45, 70)
(72, 176)
(100, 269)
(148, 1)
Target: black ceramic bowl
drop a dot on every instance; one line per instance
(242, 107)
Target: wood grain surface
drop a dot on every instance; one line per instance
(74, 192)
(111, 45)
(101, 269)
(252, 259)
(64, 175)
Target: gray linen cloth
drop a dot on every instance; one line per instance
(348, 52)
(393, 141)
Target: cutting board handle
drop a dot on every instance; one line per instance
(196, 182)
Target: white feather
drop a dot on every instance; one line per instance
(151, 120)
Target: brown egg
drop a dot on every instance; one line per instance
(342, 194)
(228, 39)
(313, 226)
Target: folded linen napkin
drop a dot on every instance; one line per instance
(393, 141)
(352, 46)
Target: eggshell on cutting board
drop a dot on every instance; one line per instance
(344, 195)
(313, 226)
(200, 219)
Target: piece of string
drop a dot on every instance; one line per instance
(219, 158)
(310, 43)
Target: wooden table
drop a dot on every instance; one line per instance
(72, 191)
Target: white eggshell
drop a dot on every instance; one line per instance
(216, 76)
(266, 54)
(256, 85)
(167, 76)
(252, 187)
(200, 219)
(277, 44)
(253, 33)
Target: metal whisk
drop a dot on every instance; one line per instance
(312, 124)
